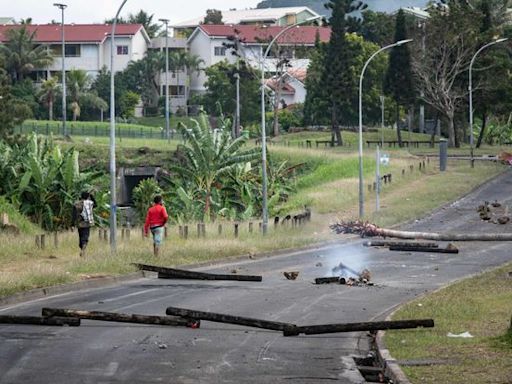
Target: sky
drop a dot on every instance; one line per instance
(96, 11)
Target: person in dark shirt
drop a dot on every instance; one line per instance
(83, 219)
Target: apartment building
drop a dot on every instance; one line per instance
(87, 46)
(208, 41)
(282, 16)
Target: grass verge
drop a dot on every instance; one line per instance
(482, 306)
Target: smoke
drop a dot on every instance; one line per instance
(345, 261)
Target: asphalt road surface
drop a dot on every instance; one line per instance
(99, 352)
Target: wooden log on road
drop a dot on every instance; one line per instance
(383, 243)
(359, 327)
(327, 280)
(172, 273)
(229, 319)
(423, 249)
(36, 320)
(118, 317)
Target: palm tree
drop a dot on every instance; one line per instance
(22, 55)
(49, 90)
(180, 60)
(77, 82)
(141, 76)
(210, 155)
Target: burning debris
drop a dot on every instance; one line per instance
(347, 276)
(494, 212)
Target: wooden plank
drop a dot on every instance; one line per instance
(37, 320)
(382, 243)
(327, 280)
(423, 249)
(229, 319)
(359, 327)
(172, 273)
(119, 317)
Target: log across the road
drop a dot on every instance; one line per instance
(359, 327)
(173, 273)
(229, 319)
(365, 229)
(119, 317)
(37, 320)
(423, 249)
(384, 243)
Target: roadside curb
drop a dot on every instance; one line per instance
(39, 293)
(391, 367)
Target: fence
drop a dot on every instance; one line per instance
(98, 130)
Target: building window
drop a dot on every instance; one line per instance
(220, 51)
(72, 50)
(122, 49)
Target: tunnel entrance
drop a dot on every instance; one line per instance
(129, 178)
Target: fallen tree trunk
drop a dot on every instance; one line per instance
(119, 317)
(371, 230)
(359, 327)
(36, 320)
(229, 319)
(172, 273)
(383, 243)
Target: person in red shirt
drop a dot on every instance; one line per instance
(155, 221)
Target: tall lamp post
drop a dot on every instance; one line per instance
(113, 197)
(167, 131)
(263, 128)
(470, 88)
(62, 7)
(361, 190)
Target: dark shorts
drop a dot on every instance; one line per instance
(83, 236)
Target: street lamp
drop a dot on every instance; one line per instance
(167, 132)
(62, 7)
(361, 190)
(263, 128)
(113, 198)
(470, 88)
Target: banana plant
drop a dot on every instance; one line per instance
(209, 155)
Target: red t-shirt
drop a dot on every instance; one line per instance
(157, 217)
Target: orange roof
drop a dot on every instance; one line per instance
(251, 34)
(74, 33)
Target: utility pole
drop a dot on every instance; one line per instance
(167, 128)
(112, 151)
(62, 7)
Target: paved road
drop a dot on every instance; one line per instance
(110, 353)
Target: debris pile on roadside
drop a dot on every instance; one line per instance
(494, 212)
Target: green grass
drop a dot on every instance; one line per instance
(482, 306)
(16, 218)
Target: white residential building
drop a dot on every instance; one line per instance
(87, 46)
(208, 42)
(282, 16)
(293, 87)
